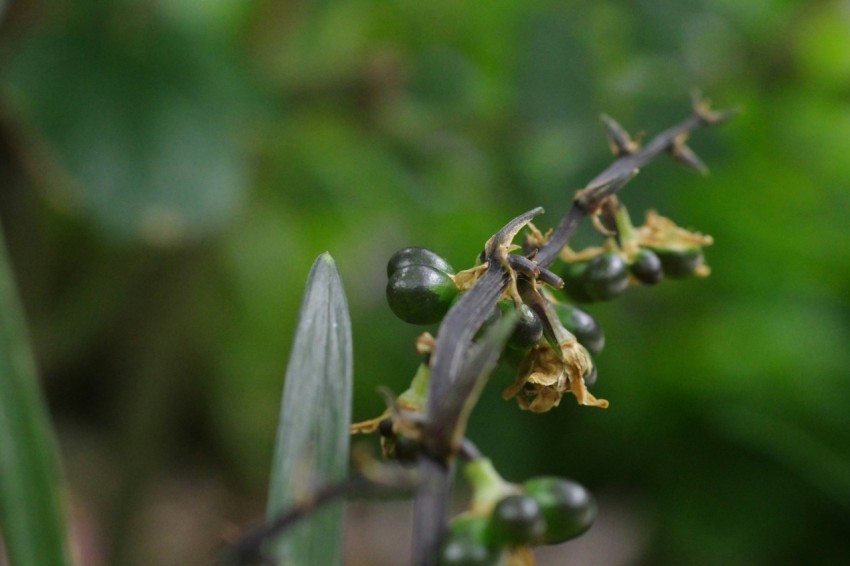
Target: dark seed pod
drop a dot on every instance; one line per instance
(585, 328)
(465, 544)
(385, 428)
(568, 508)
(573, 276)
(417, 256)
(607, 276)
(646, 267)
(528, 330)
(680, 264)
(419, 294)
(516, 520)
(590, 377)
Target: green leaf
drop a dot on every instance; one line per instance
(140, 124)
(312, 438)
(31, 518)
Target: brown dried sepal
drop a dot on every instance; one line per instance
(535, 239)
(520, 556)
(660, 232)
(544, 378)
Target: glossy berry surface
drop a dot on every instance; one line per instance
(465, 544)
(568, 508)
(417, 256)
(646, 267)
(419, 294)
(580, 323)
(590, 377)
(573, 276)
(516, 520)
(607, 276)
(680, 264)
(528, 329)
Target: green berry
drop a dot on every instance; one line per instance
(516, 520)
(680, 264)
(528, 330)
(568, 508)
(573, 276)
(646, 267)
(590, 377)
(417, 256)
(585, 328)
(465, 544)
(420, 294)
(607, 276)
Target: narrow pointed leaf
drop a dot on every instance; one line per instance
(31, 518)
(312, 437)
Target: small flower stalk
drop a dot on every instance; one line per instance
(514, 308)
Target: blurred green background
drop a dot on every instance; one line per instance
(171, 168)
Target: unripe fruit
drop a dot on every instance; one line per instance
(646, 267)
(419, 294)
(607, 276)
(568, 508)
(590, 377)
(585, 328)
(517, 520)
(465, 544)
(680, 264)
(573, 276)
(417, 256)
(528, 330)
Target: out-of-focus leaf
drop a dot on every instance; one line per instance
(312, 437)
(140, 122)
(31, 519)
(793, 447)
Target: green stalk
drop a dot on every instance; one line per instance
(31, 511)
(625, 228)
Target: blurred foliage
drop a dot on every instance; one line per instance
(171, 168)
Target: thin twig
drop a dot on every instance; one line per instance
(249, 549)
(620, 172)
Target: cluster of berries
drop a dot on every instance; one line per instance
(645, 255)
(421, 289)
(543, 510)
(607, 275)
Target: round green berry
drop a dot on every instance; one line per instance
(646, 267)
(417, 256)
(573, 276)
(590, 377)
(465, 544)
(420, 294)
(568, 508)
(528, 330)
(516, 520)
(607, 276)
(585, 328)
(680, 264)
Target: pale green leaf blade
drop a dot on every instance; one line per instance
(31, 518)
(313, 439)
